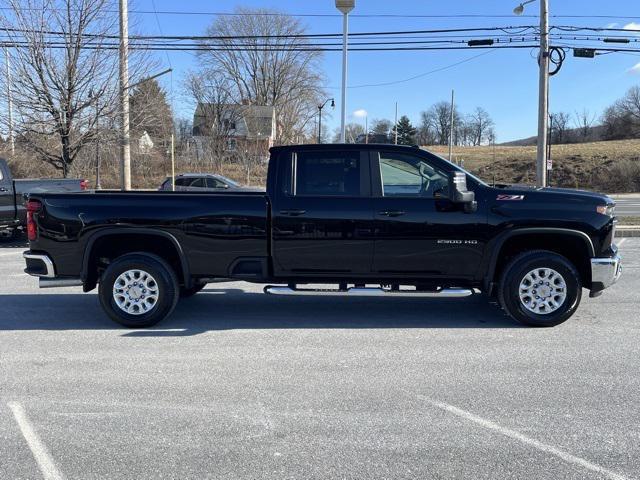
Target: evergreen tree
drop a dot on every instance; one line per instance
(406, 131)
(150, 112)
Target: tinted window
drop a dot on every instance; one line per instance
(411, 176)
(327, 173)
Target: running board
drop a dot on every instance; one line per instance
(371, 292)
(59, 282)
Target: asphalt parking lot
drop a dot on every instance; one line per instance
(240, 385)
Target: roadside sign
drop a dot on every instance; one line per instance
(549, 164)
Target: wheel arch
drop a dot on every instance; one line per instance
(164, 245)
(575, 245)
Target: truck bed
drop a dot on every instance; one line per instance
(216, 229)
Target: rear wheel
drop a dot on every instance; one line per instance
(138, 290)
(540, 289)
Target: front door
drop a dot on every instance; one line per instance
(321, 214)
(419, 232)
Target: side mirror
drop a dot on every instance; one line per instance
(459, 193)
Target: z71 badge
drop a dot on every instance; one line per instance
(510, 197)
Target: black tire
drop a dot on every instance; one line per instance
(163, 277)
(515, 272)
(8, 235)
(191, 291)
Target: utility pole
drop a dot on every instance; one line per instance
(125, 168)
(451, 129)
(543, 95)
(12, 143)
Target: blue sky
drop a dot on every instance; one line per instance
(504, 82)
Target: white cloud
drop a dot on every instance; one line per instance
(612, 25)
(360, 113)
(635, 70)
(632, 26)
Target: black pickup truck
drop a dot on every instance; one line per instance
(399, 218)
(13, 214)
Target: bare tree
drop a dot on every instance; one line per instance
(54, 88)
(64, 71)
(352, 132)
(560, 123)
(583, 122)
(271, 71)
(479, 123)
(438, 117)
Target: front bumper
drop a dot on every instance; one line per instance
(604, 273)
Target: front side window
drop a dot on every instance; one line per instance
(327, 173)
(214, 183)
(411, 176)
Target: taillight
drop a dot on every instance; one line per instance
(33, 206)
(84, 184)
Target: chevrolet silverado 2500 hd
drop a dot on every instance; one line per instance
(400, 218)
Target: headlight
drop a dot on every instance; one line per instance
(608, 210)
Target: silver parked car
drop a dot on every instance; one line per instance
(199, 182)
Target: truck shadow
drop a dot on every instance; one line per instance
(19, 241)
(219, 309)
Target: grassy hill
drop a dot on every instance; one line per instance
(612, 166)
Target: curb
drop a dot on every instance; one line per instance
(627, 231)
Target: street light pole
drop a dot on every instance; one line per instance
(345, 6)
(320, 107)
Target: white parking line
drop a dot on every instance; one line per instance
(9, 254)
(39, 450)
(488, 424)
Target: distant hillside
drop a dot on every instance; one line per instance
(572, 135)
(612, 166)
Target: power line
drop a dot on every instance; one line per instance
(334, 15)
(420, 75)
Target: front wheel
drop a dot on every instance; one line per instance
(540, 288)
(138, 290)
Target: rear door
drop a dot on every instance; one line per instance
(419, 231)
(7, 199)
(322, 220)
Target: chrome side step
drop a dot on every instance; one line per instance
(370, 292)
(59, 282)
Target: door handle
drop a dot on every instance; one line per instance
(391, 213)
(293, 212)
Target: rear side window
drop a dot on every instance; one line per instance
(327, 174)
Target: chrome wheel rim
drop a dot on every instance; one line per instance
(136, 292)
(543, 291)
